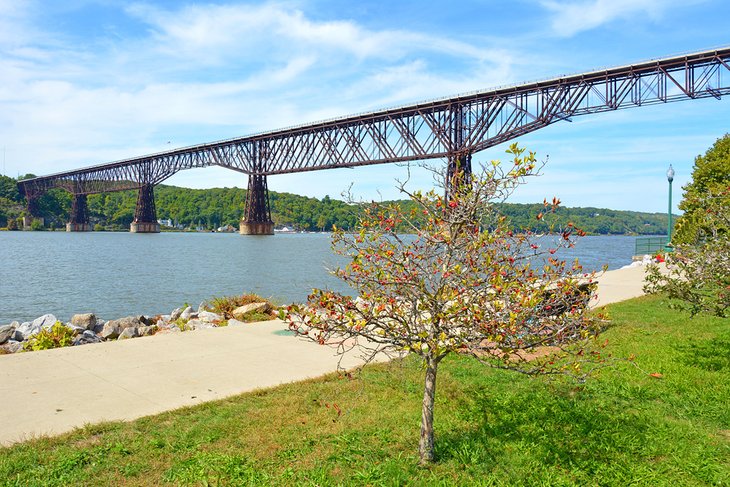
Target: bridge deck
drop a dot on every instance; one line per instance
(444, 128)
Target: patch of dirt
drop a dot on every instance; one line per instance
(90, 441)
(526, 355)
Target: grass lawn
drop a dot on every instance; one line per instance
(625, 427)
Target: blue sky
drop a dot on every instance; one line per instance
(86, 82)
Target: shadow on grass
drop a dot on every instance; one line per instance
(712, 355)
(549, 430)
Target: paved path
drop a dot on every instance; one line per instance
(55, 391)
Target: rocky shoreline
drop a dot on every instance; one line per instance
(47, 332)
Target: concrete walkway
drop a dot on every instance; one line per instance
(54, 391)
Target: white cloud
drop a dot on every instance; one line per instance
(205, 72)
(212, 32)
(570, 18)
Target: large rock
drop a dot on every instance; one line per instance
(239, 312)
(26, 330)
(87, 337)
(187, 314)
(198, 325)
(175, 314)
(235, 322)
(113, 328)
(99, 326)
(209, 317)
(147, 330)
(45, 322)
(76, 329)
(130, 332)
(12, 346)
(87, 321)
(7, 332)
(146, 321)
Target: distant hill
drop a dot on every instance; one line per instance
(213, 208)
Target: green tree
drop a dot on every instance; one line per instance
(710, 175)
(456, 287)
(697, 274)
(9, 189)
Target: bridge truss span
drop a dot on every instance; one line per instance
(450, 128)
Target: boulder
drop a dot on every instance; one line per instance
(87, 337)
(147, 330)
(192, 324)
(234, 322)
(7, 332)
(77, 329)
(130, 332)
(209, 317)
(188, 313)
(146, 321)
(239, 312)
(99, 326)
(113, 328)
(175, 314)
(85, 320)
(45, 322)
(199, 325)
(26, 330)
(12, 346)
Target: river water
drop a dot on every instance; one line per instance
(119, 274)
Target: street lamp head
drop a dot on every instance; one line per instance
(670, 174)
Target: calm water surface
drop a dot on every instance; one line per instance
(119, 274)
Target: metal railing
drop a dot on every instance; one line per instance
(649, 245)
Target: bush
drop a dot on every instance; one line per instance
(225, 305)
(37, 225)
(58, 336)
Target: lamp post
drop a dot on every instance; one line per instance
(670, 178)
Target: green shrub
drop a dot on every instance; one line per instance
(182, 324)
(225, 305)
(256, 316)
(37, 225)
(58, 336)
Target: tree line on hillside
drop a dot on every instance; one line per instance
(220, 207)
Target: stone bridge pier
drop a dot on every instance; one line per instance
(79, 220)
(257, 220)
(31, 213)
(145, 214)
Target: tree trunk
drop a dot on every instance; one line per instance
(425, 445)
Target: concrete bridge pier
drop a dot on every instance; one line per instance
(31, 213)
(257, 220)
(145, 215)
(79, 221)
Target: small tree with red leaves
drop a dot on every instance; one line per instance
(451, 276)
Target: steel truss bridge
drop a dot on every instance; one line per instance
(450, 128)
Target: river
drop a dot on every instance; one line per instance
(119, 274)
